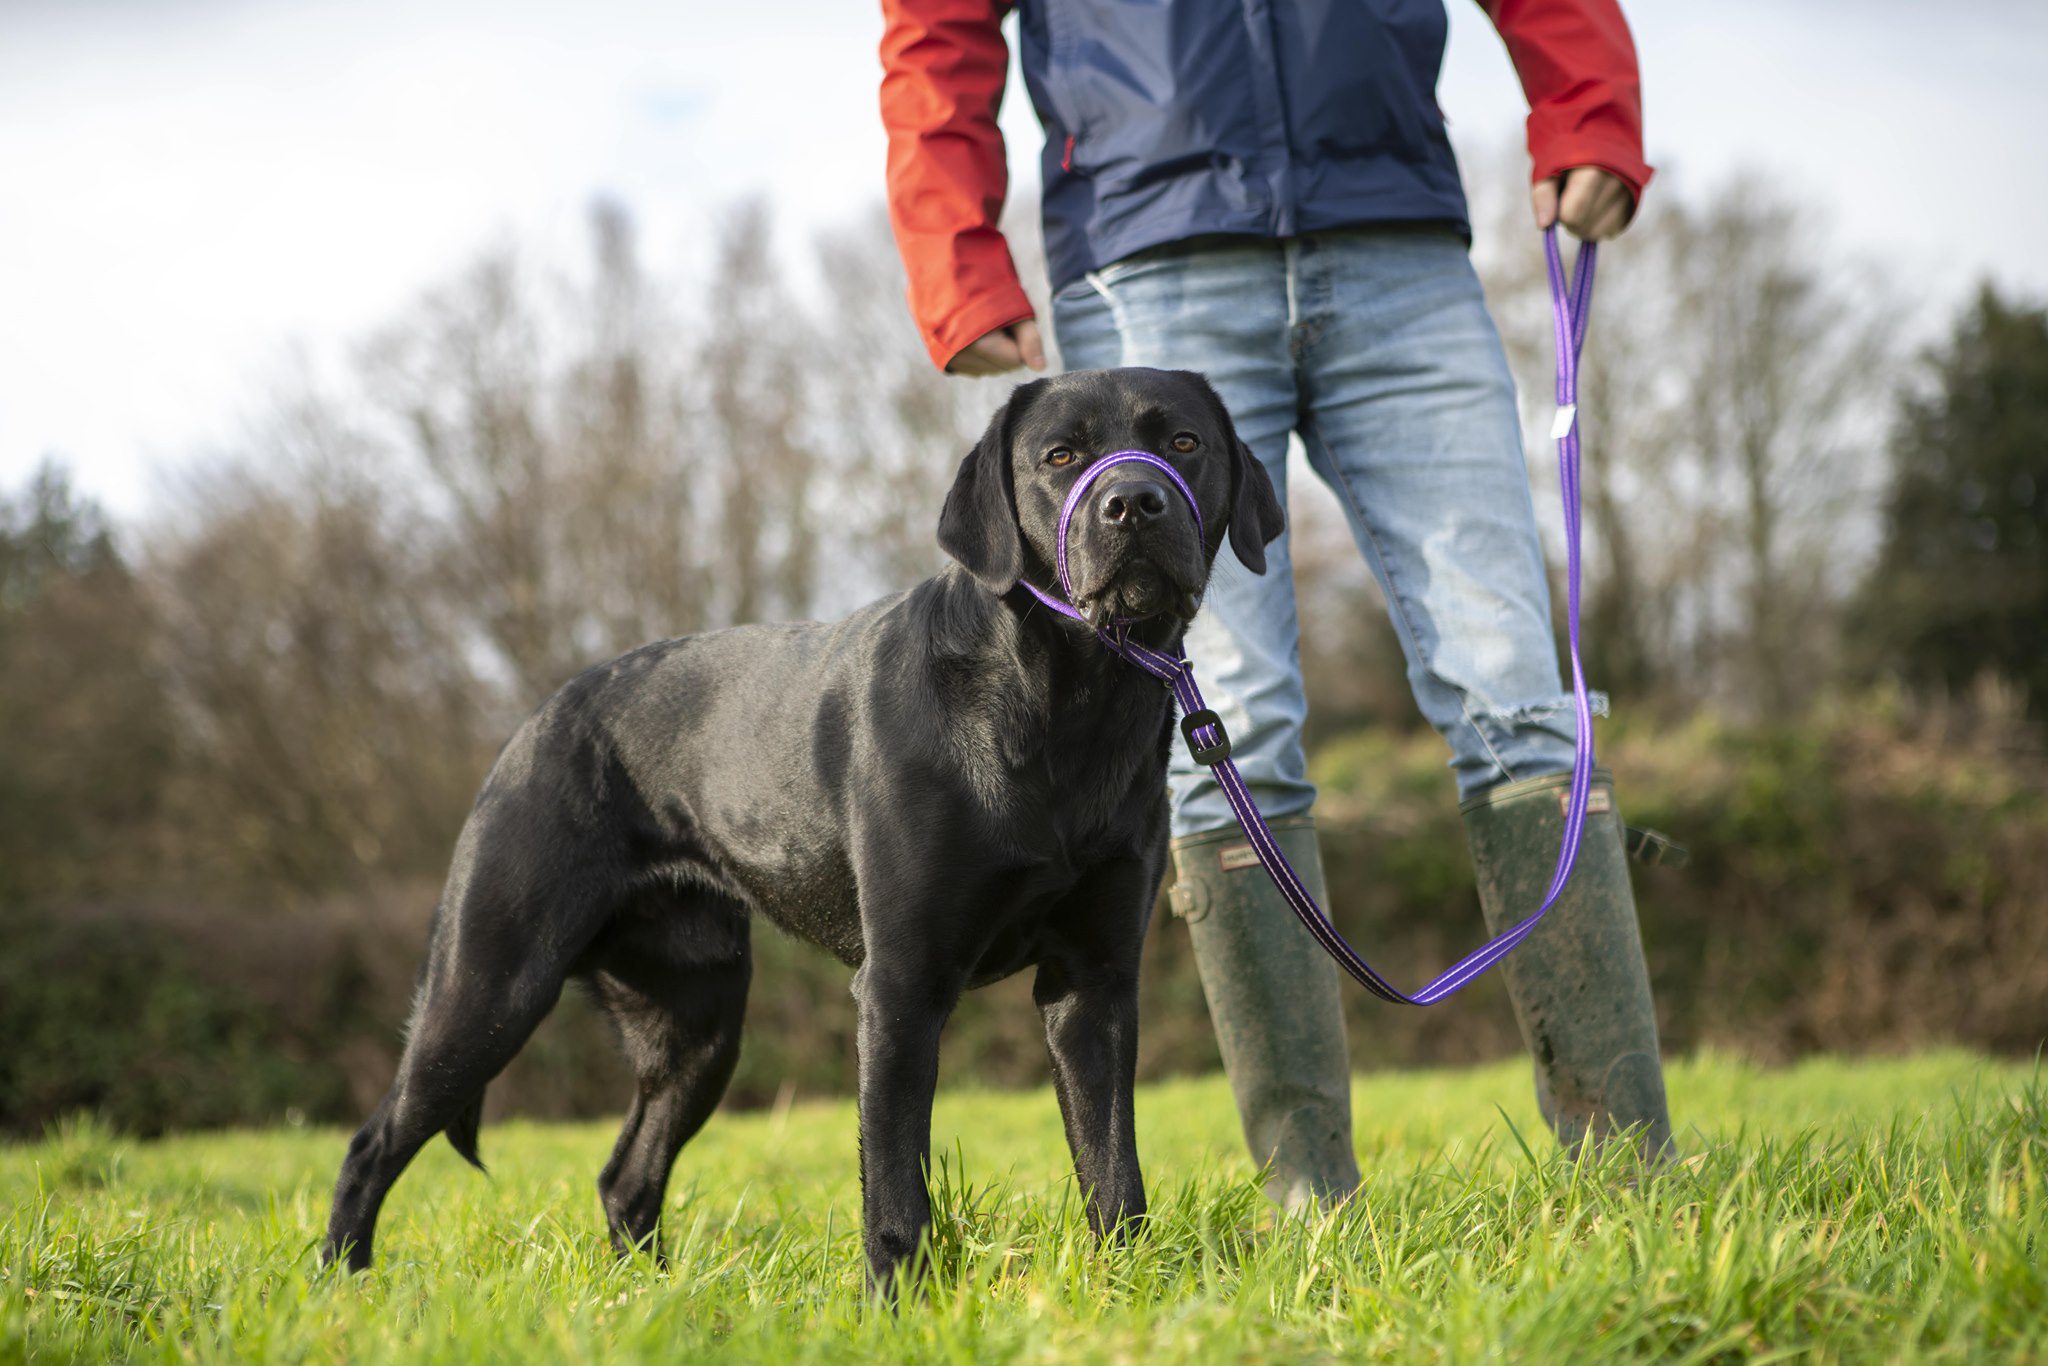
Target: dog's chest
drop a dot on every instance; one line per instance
(1010, 950)
(1074, 890)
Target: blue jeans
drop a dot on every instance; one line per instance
(1375, 346)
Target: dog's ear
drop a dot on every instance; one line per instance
(978, 526)
(1256, 519)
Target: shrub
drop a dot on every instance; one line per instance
(1869, 880)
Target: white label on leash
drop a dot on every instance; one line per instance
(1561, 425)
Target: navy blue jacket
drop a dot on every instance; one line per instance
(1165, 121)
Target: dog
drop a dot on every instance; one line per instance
(945, 788)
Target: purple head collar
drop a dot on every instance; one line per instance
(1089, 478)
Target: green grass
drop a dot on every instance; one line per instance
(1869, 1210)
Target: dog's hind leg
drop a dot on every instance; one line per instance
(672, 970)
(495, 968)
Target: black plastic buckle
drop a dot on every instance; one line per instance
(1206, 755)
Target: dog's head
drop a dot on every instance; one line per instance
(1132, 548)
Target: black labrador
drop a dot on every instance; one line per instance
(949, 786)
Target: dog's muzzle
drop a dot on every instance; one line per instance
(1130, 502)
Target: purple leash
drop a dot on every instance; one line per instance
(1210, 746)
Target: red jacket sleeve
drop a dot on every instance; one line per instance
(944, 63)
(1578, 68)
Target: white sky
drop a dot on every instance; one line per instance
(189, 189)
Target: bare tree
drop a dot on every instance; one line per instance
(894, 425)
(630, 438)
(464, 381)
(328, 717)
(755, 397)
(1786, 408)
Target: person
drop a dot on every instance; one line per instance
(1264, 191)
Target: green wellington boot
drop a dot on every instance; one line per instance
(1579, 984)
(1274, 998)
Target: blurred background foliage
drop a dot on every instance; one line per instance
(236, 741)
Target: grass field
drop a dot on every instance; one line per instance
(1873, 1210)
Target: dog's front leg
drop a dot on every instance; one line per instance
(902, 1012)
(1091, 1028)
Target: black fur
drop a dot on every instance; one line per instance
(945, 788)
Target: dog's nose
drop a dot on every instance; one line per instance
(1133, 503)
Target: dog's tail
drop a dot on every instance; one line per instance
(462, 1134)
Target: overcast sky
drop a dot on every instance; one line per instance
(190, 188)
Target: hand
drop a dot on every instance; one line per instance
(1006, 348)
(1596, 204)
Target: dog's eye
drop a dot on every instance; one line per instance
(1058, 456)
(1185, 442)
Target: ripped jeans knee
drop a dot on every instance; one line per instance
(1495, 745)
